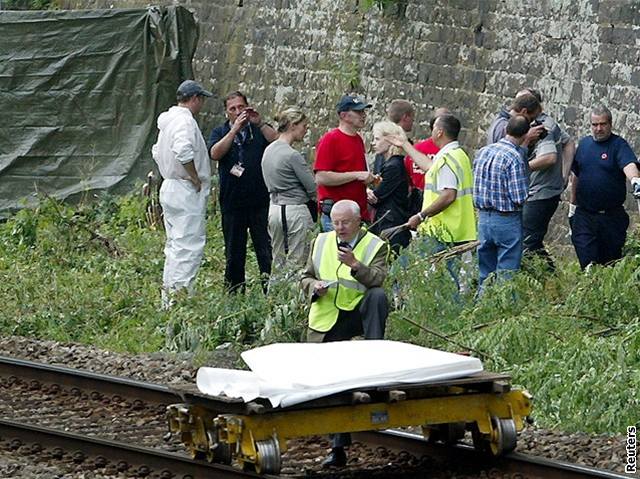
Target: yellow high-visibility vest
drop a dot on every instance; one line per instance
(347, 293)
(457, 223)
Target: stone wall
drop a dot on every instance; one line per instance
(470, 55)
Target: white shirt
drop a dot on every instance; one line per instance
(179, 142)
(446, 177)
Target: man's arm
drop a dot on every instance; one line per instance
(543, 162)
(573, 188)
(445, 198)
(518, 181)
(631, 171)
(419, 158)
(182, 148)
(568, 153)
(335, 178)
(221, 147)
(269, 133)
(193, 174)
(545, 153)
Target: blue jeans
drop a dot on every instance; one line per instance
(325, 223)
(500, 249)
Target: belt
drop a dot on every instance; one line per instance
(617, 209)
(501, 213)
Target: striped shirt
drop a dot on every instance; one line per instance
(500, 179)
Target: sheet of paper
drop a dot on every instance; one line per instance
(290, 373)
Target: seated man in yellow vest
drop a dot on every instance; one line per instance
(343, 279)
(447, 206)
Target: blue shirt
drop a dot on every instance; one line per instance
(500, 179)
(598, 166)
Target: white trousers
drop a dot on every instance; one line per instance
(184, 220)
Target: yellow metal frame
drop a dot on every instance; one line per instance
(242, 432)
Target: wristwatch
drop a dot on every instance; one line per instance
(422, 217)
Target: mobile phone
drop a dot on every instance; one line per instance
(344, 244)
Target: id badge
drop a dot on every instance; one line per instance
(237, 170)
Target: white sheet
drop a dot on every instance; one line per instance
(291, 373)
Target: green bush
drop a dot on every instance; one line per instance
(92, 274)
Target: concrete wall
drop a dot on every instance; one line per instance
(470, 55)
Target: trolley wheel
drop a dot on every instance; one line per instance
(268, 460)
(196, 454)
(502, 440)
(220, 454)
(449, 433)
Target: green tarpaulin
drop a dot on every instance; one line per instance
(80, 92)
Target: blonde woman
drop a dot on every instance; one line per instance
(391, 196)
(291, 186)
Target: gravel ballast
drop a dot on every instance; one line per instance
(601, 451)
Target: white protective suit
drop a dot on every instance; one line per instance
(179, 142)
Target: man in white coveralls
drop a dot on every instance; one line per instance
(183, 161)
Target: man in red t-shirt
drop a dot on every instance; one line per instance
(340, 167)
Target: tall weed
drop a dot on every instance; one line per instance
(570, 338)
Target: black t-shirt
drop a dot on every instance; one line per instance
(248, 190)
(393, 192)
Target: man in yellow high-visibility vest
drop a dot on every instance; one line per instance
(343, 280)
(447, 217)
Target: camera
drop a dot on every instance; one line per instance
(544, 132)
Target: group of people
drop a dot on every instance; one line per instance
(504, 198)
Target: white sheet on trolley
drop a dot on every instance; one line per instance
(291, 373)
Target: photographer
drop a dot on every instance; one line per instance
(549, 159)
(238, 146)
(343, 281)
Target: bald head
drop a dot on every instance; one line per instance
(345, 217)
(346, 206)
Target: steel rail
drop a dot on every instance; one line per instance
(87, 380)
(515, 462)
(134, 456)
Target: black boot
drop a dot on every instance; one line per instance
(336, 458)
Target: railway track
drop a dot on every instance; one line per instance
(137, 446)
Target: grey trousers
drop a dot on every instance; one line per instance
(299, 226)
(368, 319)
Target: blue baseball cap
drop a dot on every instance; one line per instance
(189, 88)
(352, 102)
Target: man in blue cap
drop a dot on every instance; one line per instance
(181, 155)
(340, 167)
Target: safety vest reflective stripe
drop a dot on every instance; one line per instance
(318, 248)
(372, 248)
(352, 284)
(348, 292)
(459, 192)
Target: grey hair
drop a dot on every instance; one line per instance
(348, 205)
(600, 110)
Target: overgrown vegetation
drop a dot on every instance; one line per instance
(29, 4)
(92, 274)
